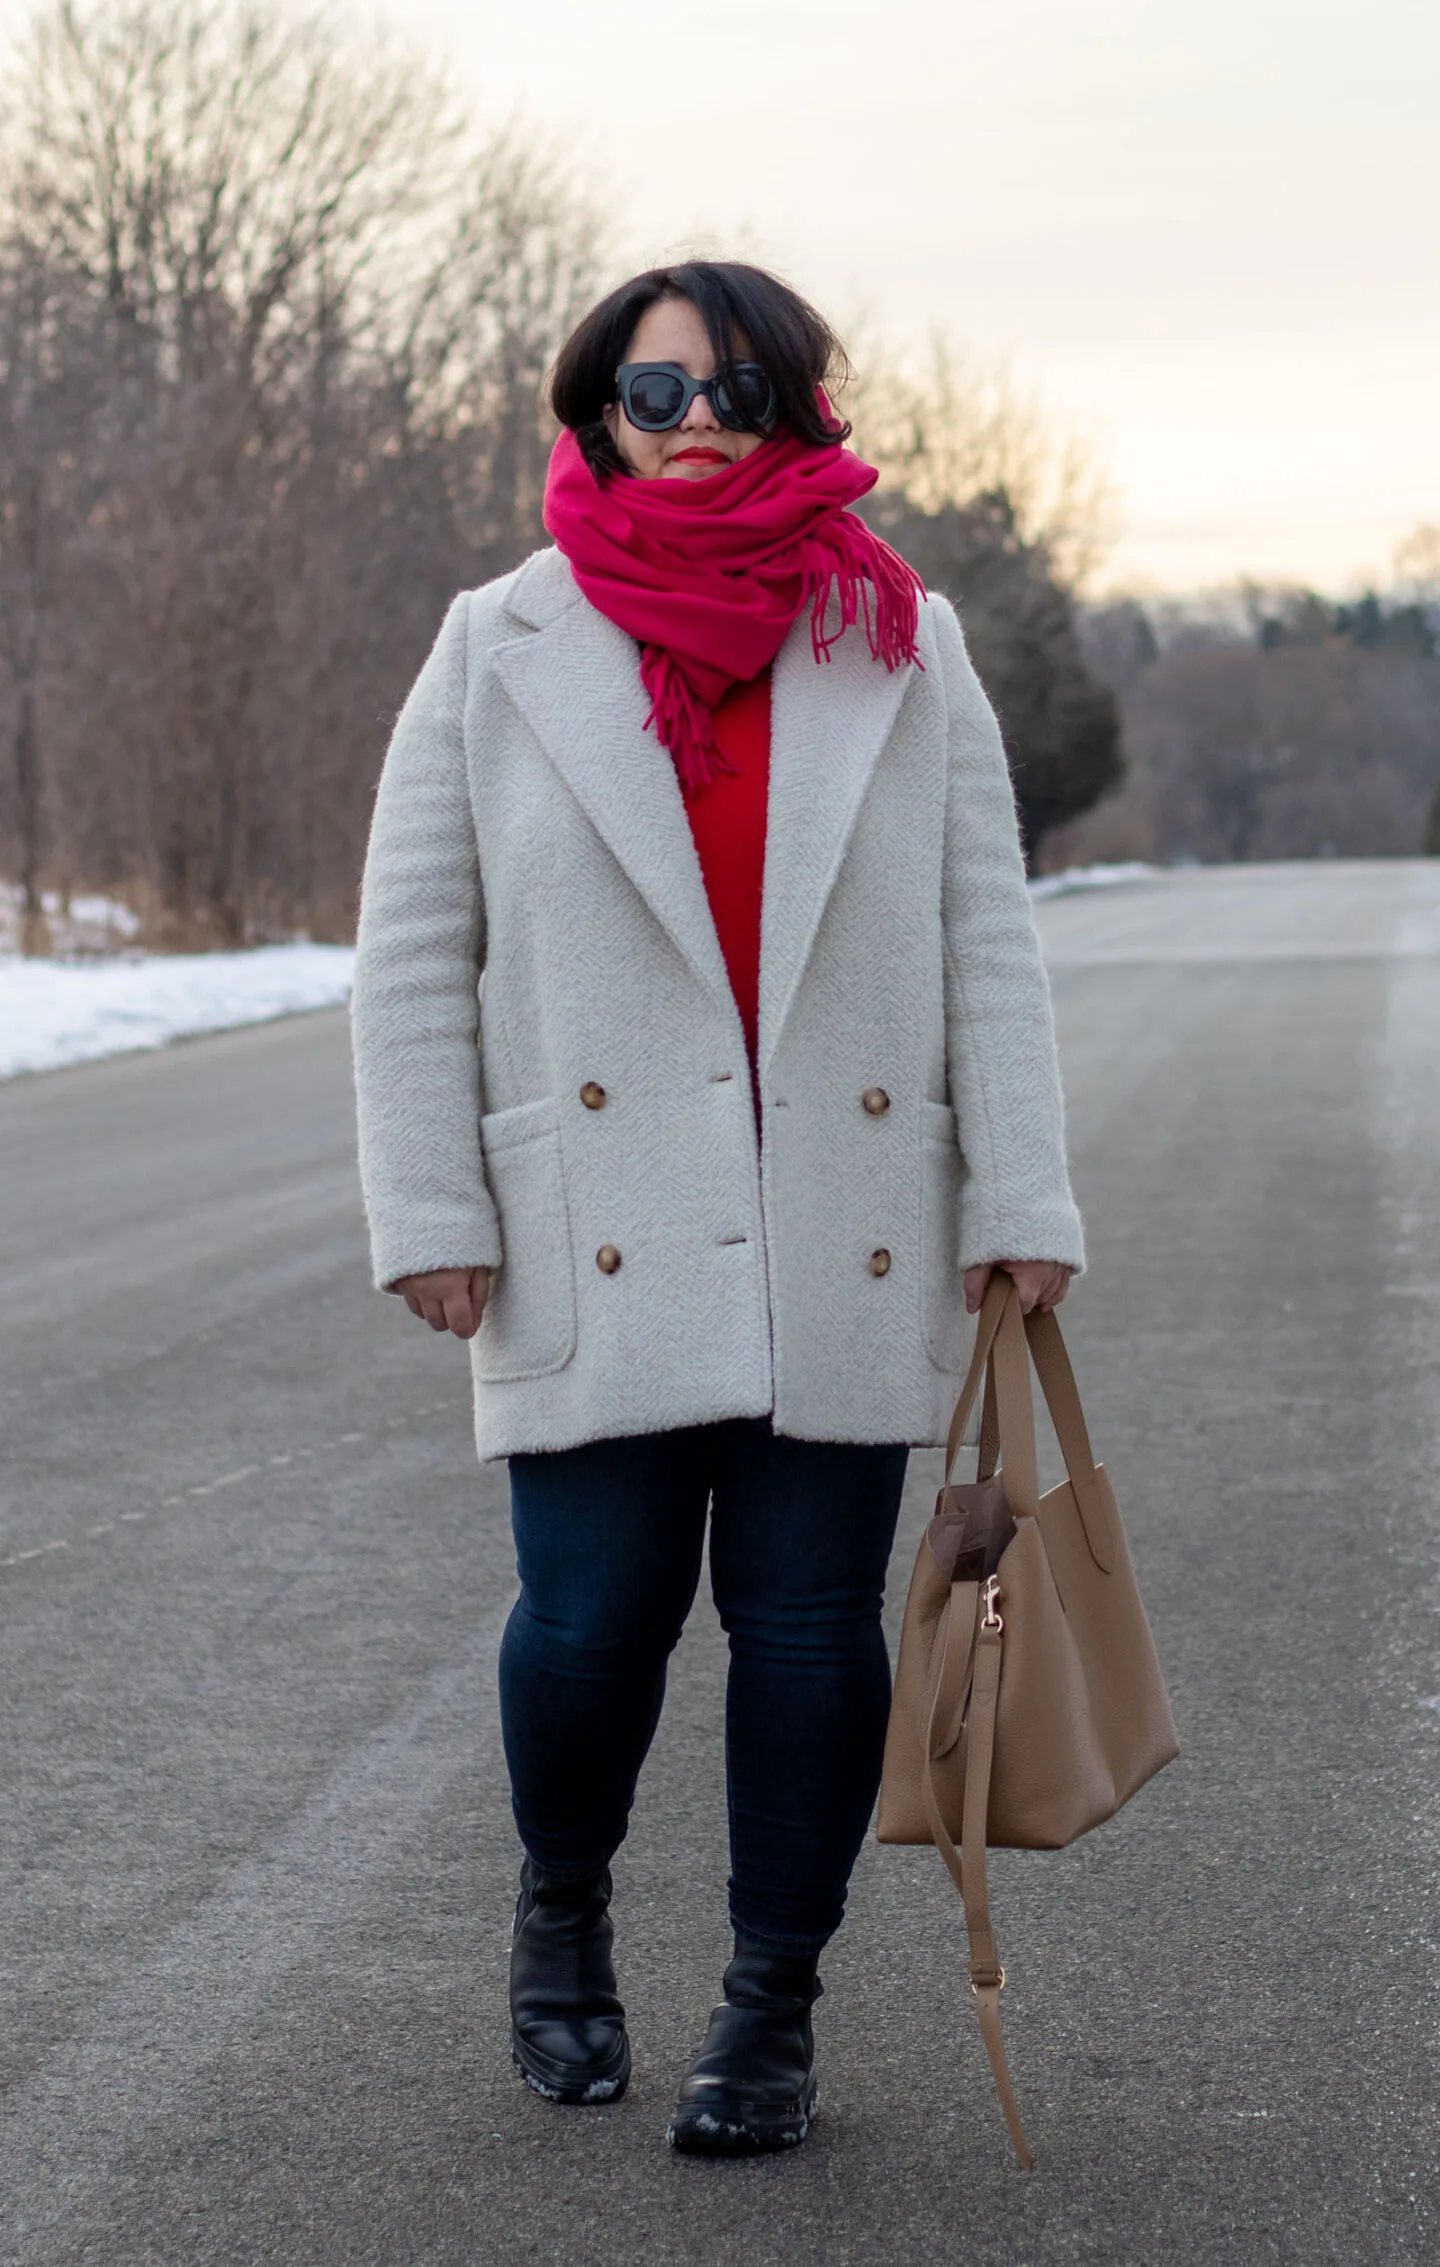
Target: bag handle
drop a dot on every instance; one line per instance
(1062, 1398)
(1005, 1346)
(1015, 1410)
(992, 1307)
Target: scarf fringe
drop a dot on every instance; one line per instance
(681, 721)
(874, 584)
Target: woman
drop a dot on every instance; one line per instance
(760, 1085)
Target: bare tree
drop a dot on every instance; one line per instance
(948, 427)
(999, 506)
(316, 312)
(24, 529)
(1417, 566)
(47, 396)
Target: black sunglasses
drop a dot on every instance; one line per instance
(656, 396)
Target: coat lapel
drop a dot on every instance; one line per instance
(829, 722)
(576, 680)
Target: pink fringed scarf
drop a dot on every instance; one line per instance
(709, 575)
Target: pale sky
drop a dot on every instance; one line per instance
(1207, 235)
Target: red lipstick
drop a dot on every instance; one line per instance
(699, 456)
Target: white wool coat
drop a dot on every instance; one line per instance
(534, 924)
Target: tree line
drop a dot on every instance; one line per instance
(1272, 724)
(274, 325)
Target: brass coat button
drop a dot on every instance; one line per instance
(876, 1101)
(593, 1096)
(607, 1259)
(879, 1262)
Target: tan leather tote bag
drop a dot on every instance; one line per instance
(1028, 1699)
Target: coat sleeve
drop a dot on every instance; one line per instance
(1003, 1068)
(415, 1010)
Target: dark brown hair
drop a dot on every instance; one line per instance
(795, 346)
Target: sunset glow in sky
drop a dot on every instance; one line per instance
(1207, 236)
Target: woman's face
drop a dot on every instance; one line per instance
(671, 331)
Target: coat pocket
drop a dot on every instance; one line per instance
(942, 1293)
(529, 1324)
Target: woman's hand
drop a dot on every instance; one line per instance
(448, 1298)
(1042, 1283)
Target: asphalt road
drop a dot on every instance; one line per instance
(257, 1863)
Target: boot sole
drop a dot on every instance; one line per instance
(714, 2132)
(570, 2089)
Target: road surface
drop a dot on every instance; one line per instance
(257, 1864)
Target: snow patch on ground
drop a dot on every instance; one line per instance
(1090, 877)
(53, 1012)
(87, 925)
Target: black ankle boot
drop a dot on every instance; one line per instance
(752, 2086)
(567, 2026)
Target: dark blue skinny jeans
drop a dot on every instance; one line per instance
(610, 1538)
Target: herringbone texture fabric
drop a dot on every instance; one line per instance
(526, 822)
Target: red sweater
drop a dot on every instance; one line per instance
(727, 819)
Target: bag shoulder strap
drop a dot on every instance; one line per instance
(978, 1647)
(987, 1977)
(965, 1684)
